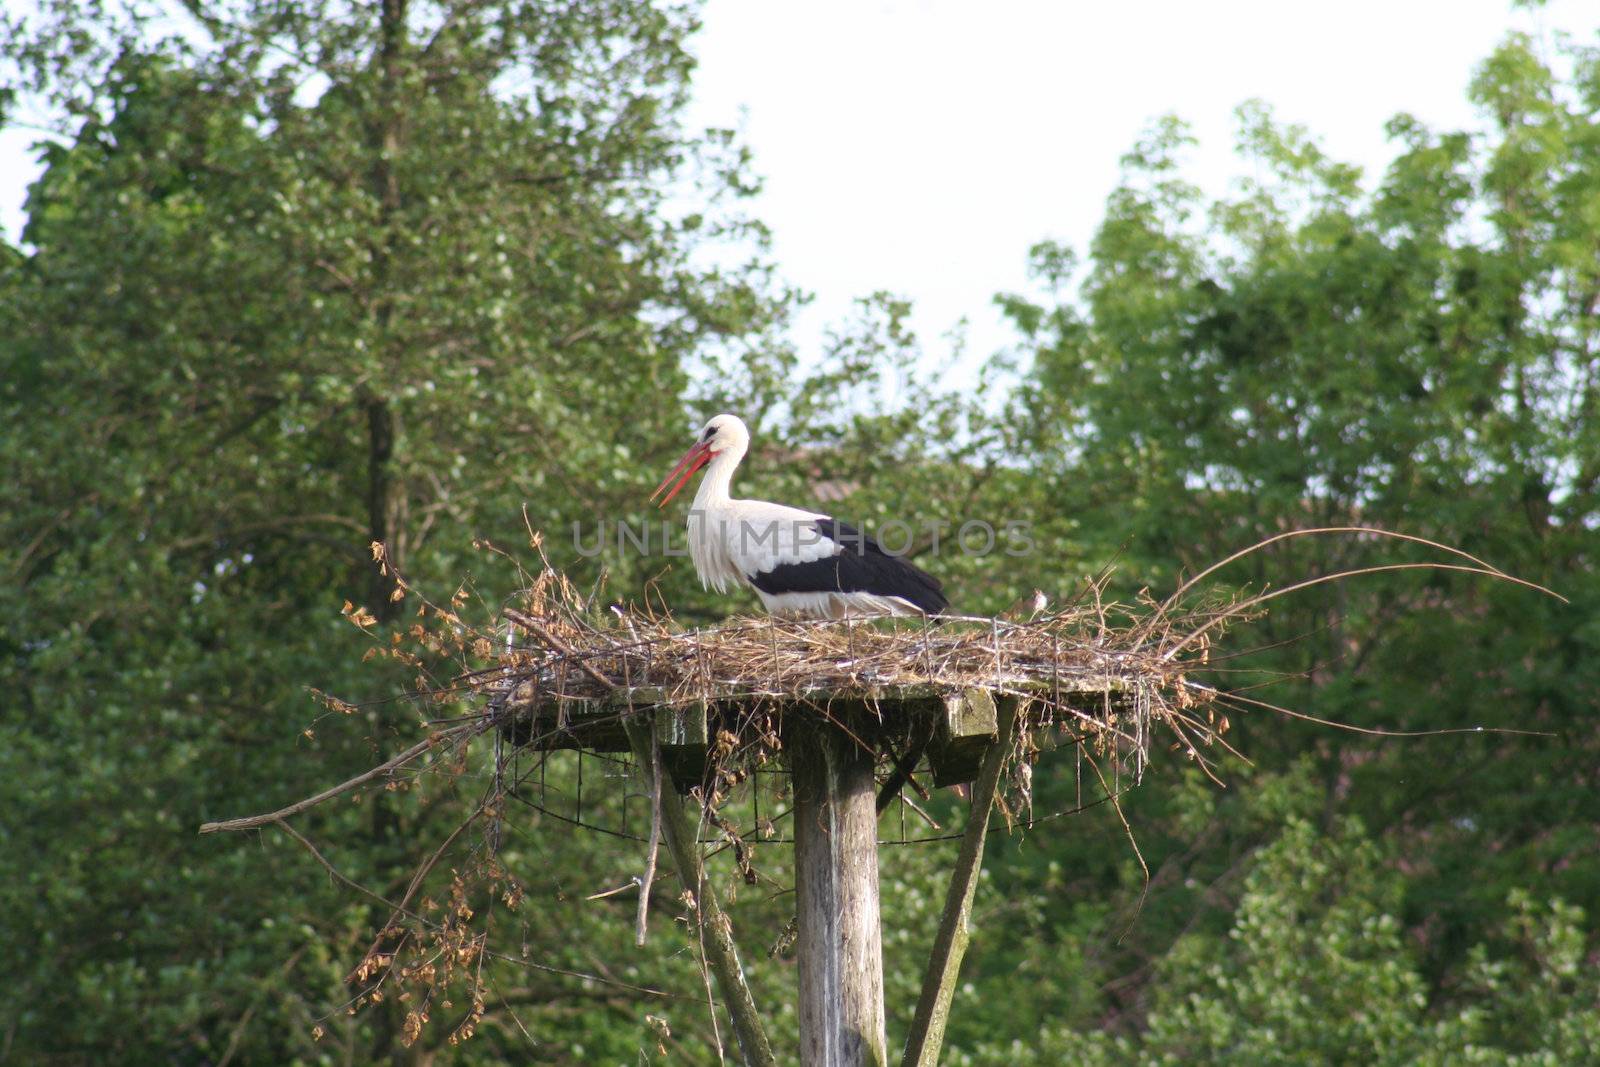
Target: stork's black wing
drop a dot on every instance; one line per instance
(860, 566)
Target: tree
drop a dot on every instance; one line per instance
(1316, 969)
(298, 280)
(1419, 356)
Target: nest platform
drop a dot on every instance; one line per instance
(914, 693)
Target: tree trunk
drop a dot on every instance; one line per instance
(383, 508)
(384, 501)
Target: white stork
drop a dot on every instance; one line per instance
(800, 563)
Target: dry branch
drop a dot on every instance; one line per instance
(716, 932)
(254, 821)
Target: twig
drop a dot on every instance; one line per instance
(904, 765)
(655, 840)
(917, 809)
(337, 875)
(1252, 602)
(716, 931)
(1178, 593)
(550, 639)
(1370, 730)
(254, 821)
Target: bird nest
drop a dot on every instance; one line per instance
(1112, 676)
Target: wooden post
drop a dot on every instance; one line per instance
(840, 949)
(926, 1039)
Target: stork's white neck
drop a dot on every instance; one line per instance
(714, 487)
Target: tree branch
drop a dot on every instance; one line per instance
(254, 821)
(716, 932)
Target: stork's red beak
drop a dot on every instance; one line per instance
(692, 461)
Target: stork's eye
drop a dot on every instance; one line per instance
(711, 431)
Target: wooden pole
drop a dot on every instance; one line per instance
(840, 949)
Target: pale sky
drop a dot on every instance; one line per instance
(920, 146)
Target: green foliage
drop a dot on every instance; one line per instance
(1418, 357)
(1316, 968)
(299, 279)
(297, 282)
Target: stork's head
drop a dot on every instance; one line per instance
(724, 435)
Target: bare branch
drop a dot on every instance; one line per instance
(253, 822)
(715, 930)
(655, 840)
